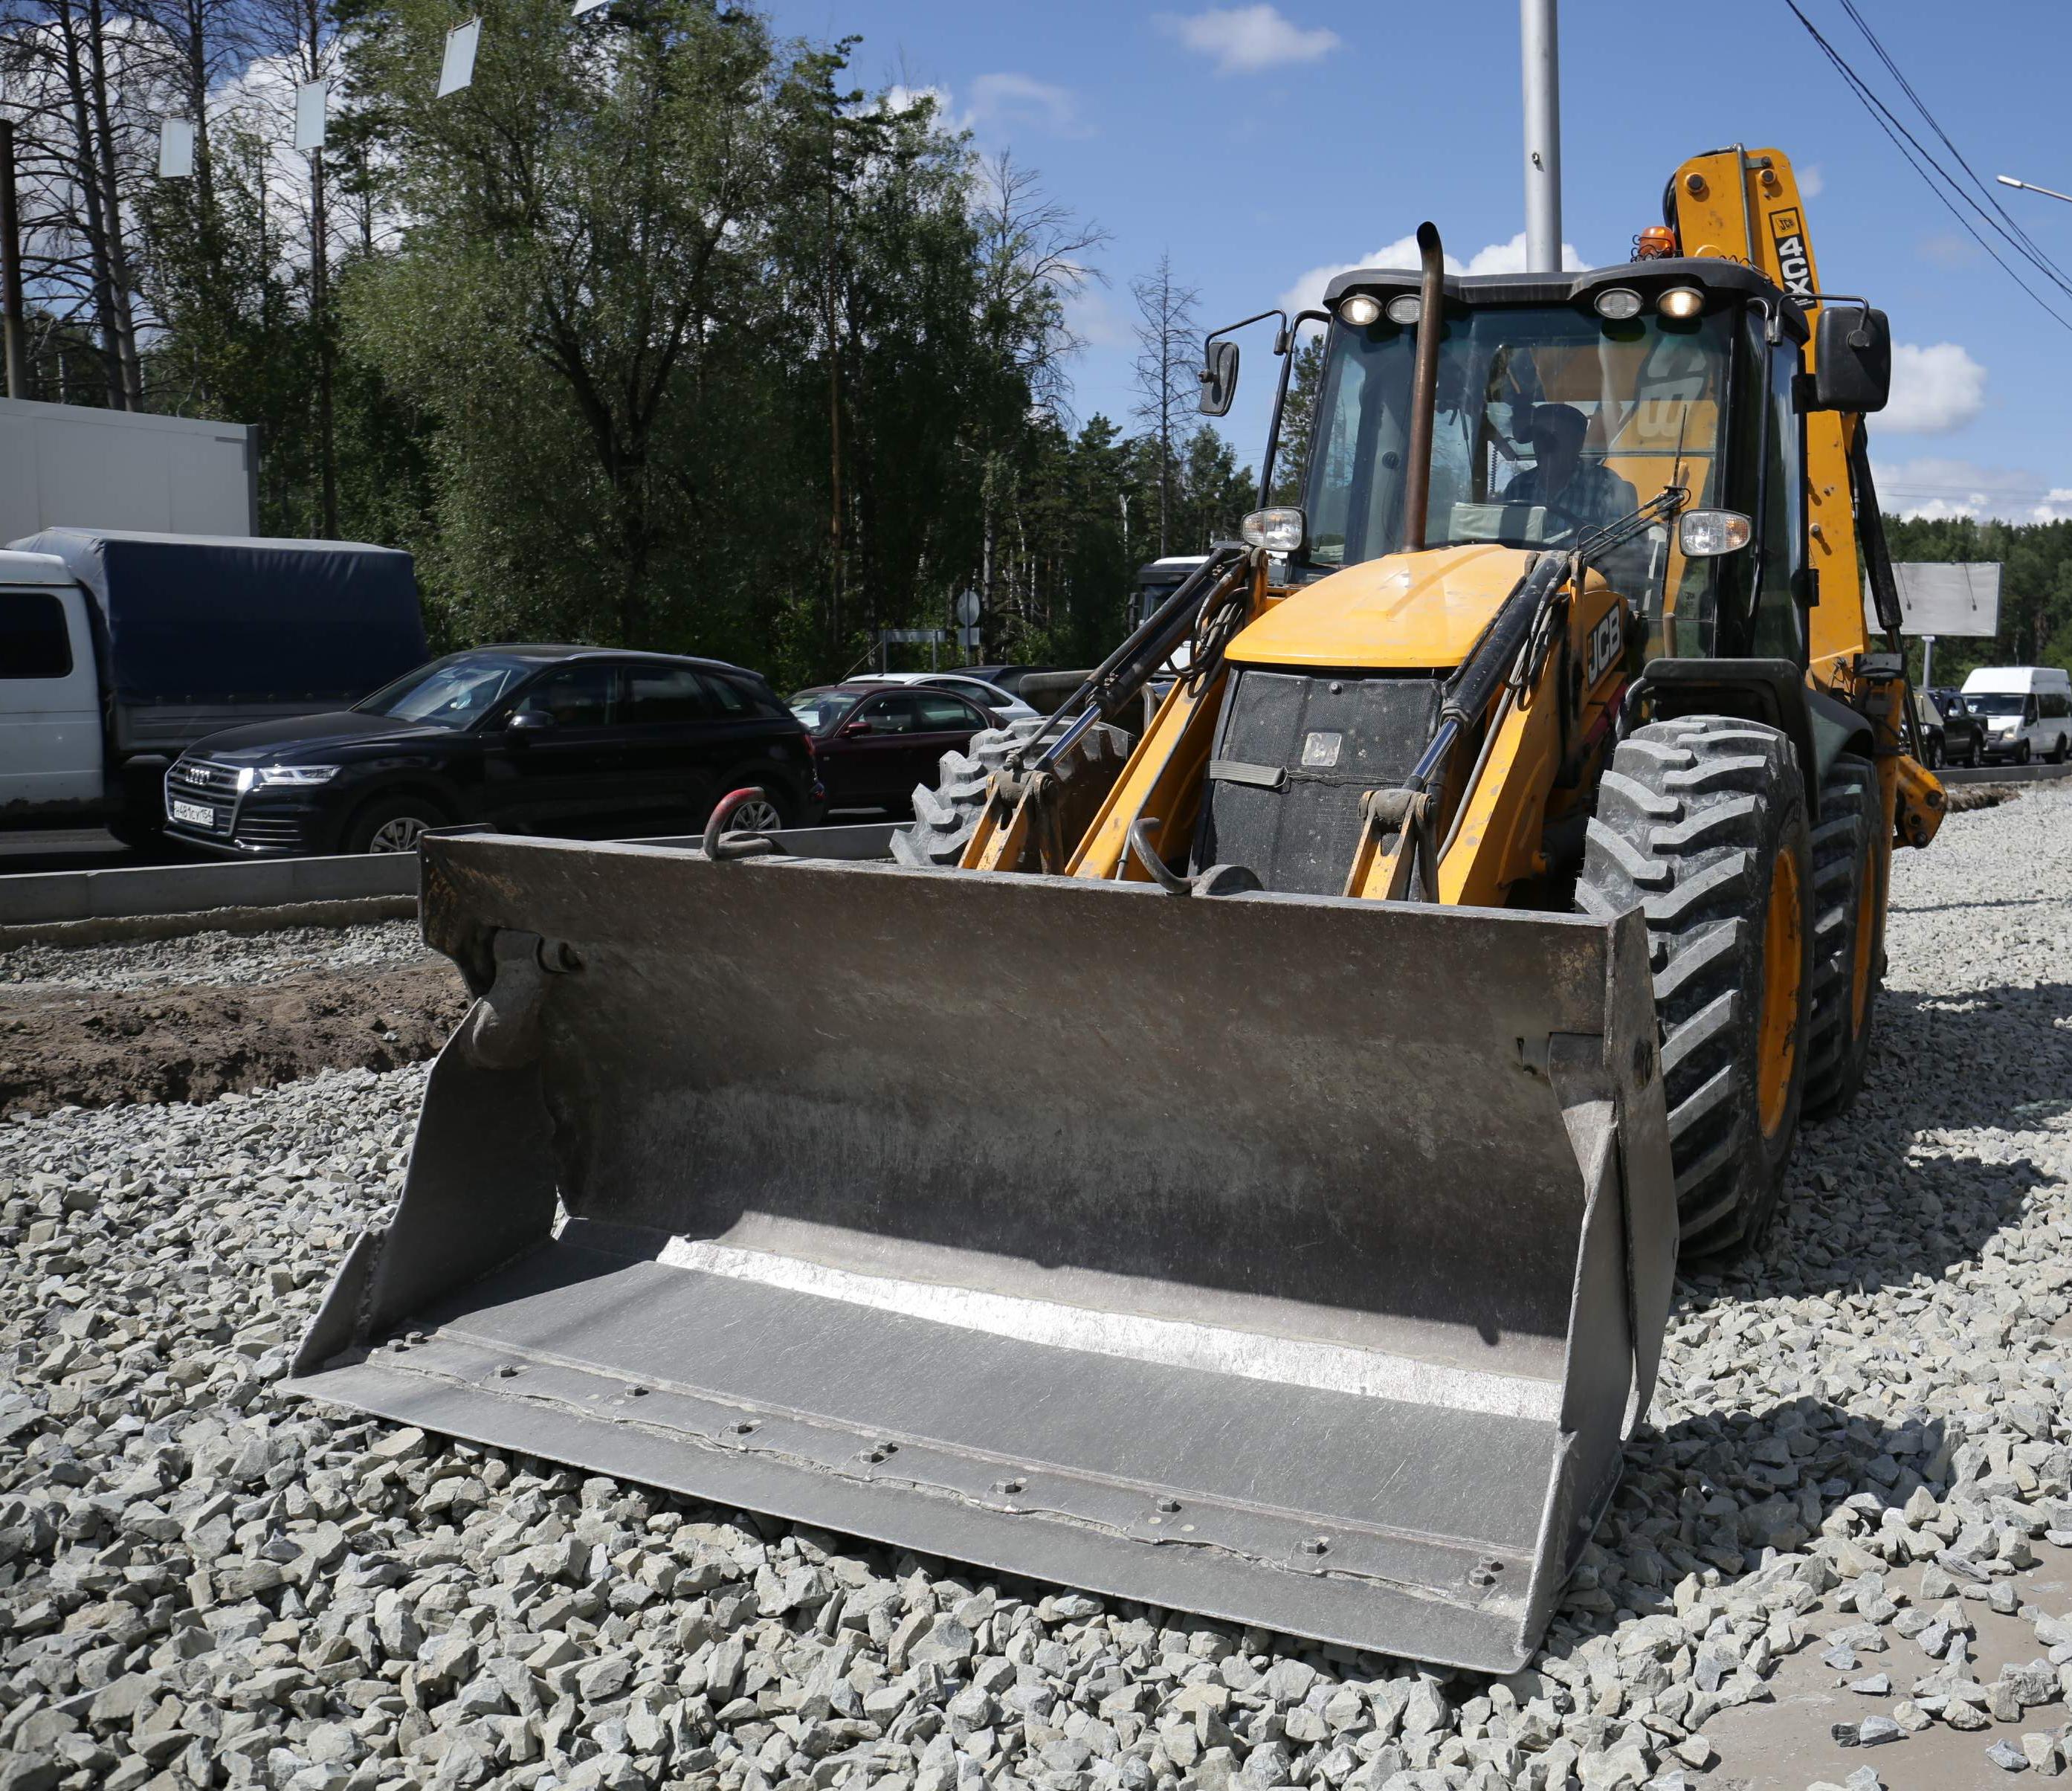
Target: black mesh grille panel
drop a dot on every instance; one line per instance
(1294, 754)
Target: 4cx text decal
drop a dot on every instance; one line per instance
(1794, 266)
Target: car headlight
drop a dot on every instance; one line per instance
(291, 776)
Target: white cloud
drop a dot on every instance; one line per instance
(1812, 184)
(900, 97)
(1091, 317)
(1008, 98)
(1307, 291)
(1935, 389)
(1000, 100)
(1936, 488)
(1242, 40)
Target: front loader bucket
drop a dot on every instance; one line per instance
(1293, 1260)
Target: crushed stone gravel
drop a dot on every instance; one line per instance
(215, 959)
(204, 1584)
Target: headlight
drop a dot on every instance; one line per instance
(1277, 530)
(1359, 310)
(293, 776)
(1681, 302)
(1405, 308)
(1618, 303)
(1706, 534)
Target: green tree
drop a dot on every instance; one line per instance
(1305, 381)
(573, 246)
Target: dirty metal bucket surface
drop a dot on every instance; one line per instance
(1287, 1259)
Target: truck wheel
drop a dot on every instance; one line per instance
(1852, 861)
(2024, 753)
(946, 817)
(393, 823)
(2059, 753)
(1933, 746)
(138, 833)
(1701, 824)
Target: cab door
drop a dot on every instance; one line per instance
(50, 700)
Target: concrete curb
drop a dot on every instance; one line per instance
(159, 902)
(2004, 773)
(46, 898)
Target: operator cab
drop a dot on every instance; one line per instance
(1565, 404)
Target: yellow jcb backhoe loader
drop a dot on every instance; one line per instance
(1244, 1174)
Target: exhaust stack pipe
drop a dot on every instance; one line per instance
(1425, 389)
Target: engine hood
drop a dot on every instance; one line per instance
(1405, 611)
(313, 736)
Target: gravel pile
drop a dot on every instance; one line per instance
(1861, 1440)
(214, 960)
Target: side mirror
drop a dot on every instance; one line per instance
(1706, 534)
(529, 721)
(860, 725)
(1853, 365)
(1219, 377)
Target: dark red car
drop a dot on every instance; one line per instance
(872, 745)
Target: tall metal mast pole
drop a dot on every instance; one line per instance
(13, 323)
(1542, 59)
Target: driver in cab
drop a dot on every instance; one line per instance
(1578, 495)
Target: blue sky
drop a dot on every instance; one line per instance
(1257, 142)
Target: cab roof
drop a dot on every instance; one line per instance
(1729, 279)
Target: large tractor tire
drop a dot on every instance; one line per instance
(1852, 861)
(1701, 824)
(946, 817)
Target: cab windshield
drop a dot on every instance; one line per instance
(1550, 422)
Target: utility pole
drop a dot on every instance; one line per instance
(14, 322)
(1541, 55)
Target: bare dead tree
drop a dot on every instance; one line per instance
(1164, 379)
(1034, 256)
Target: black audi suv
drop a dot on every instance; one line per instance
(581, 741)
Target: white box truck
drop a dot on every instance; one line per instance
(63, 464)
(2027, 710)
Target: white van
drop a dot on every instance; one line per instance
(2027, 710)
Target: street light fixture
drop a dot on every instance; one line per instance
(2030, 187)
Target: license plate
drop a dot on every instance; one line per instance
(193, 814)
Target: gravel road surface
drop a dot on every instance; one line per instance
(1842, 1554)
(214, 960)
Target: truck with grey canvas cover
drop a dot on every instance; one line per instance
(118, 650)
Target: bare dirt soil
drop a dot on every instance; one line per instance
(63, 1046)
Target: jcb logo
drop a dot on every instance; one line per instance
(1606, 640)
(1795, 267)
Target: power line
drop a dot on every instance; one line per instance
(1916, 154)
(2012, 225)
